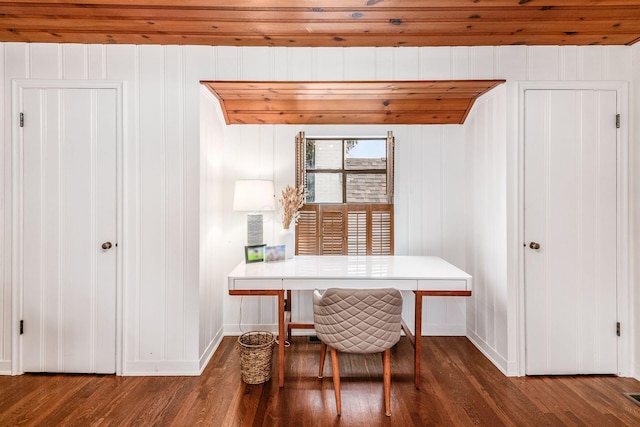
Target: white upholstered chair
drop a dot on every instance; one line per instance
(358, 321)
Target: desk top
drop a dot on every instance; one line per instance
(307, 272)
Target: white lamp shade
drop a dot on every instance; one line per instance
(254, 195)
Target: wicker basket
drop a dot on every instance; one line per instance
(256, 350)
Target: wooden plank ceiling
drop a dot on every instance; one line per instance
(343, 102)
(335, 23)
(339, 23)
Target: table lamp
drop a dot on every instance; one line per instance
(254, 196)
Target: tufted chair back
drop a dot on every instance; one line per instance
(358, 321)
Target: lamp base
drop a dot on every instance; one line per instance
(254, 229)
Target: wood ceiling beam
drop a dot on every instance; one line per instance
(98, 37)
(348, 102)
(347, 105)
(352, 118)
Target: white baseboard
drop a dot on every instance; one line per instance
(210, 350)
(152, 368)
(5, 367)
(498, 360)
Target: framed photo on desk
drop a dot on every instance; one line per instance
(275, 253)
(254, 253)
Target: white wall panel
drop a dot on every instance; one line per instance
(453, 185)
(279, 63)
(634, 181)
(202, 226)
(406, 63)
(619, 63)
(431, 185)
(360, 64)
(96, 62)
(74, 61)
(162, 177)
(153, 204)
(196, 64)
(330, 63)
(414, 187)
(569, 63)
(460, 63)
(435, 63)
(486, 227)
(228, 63)
(385, 64)
(481, 62)
(15, 65)
(45, 61)
(511, 62)
(211, 225)
(5, 241)
(300, 64)
(255, 64)
(597, 69)
(174, 212)
(543, 63)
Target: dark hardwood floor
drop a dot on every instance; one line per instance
(460, 387)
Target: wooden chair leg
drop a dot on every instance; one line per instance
(335, 368)
(323, 355)
(386, 373)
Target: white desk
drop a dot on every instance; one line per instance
(425, 276)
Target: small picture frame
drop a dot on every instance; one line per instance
(275, 253)
(254, 253)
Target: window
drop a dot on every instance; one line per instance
(349, 203)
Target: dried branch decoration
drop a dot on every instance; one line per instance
(291, 201)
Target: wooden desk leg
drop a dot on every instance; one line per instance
(281, 337)
(418, 337)
(289, 309)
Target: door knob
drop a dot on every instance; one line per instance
(535, 246)
(106, 245)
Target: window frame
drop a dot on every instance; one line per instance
(310, 230)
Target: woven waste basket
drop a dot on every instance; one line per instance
(256, 351)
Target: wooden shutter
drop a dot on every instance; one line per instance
(345, 230)
(333, 230)
(357, 232)
(381, 232)
(307, 241)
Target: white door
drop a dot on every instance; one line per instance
(69, 212)
(570, 231)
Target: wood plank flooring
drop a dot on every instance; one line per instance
(460, 387)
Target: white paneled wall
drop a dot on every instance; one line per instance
(486, 219)
(5, 224)
(634, 172)
(161, 196)
(212, 136)
(181, 236)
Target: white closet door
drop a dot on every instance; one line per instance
(570, 212)
(69, 212)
